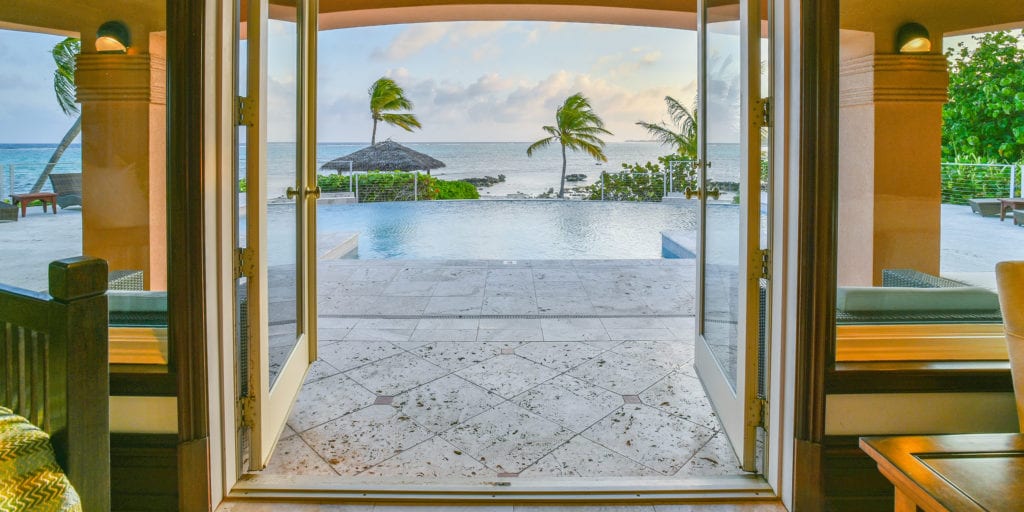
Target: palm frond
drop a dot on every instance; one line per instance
(405, 121)
(540, 144)
(64, 54)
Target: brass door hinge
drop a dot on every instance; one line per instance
(765, 255)
(764, 111)
(762, 413)
(244, 110)
(245, 263)
(247, 411)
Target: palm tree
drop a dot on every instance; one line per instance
(385, 97)
(577, 128)
(64, 54)
(683, 135)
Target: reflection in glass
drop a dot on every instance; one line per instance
(281, 173)
(720, 311)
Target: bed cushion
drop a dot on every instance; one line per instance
(965, 298)
(30, 478)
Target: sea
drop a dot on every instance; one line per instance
(21, 164)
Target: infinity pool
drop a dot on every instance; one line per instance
(500, 229)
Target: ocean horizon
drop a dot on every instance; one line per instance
(525, 175)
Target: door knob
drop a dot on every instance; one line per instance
(314, 191)
(290, 193)
(690, 193)
(713, 193)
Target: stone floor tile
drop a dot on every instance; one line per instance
(620, 374)
(507, 439)
(327, 399)
(409, 345)
(448, 323)
(456, 355)
(560, 356)
(387, 323)
(573, 329)
(750, 506)
(581, 457)
(399, 305)
(396, 374)
(570, 402)
(373, 273)
(716, 458)
(603, 345)
(564, 305)
(554, 275)
(684, 396)
(649, 436)
(320, 369)
(559, 289)
(445, 403)
(293, 457)
(655, 334)
(361, 334)
(347, 355)
(507, 375)
(355, 442)
(409, 289)
(432, 459)
(329, 334)
(517, 305)
(336, 322)
(443, 335)
(612, 304)
(459, 288)
(510, 323)
(454, 306)
(516, 335)
(665, 354)
(683, 327)
(633, 322)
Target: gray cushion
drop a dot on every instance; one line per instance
(866, 298)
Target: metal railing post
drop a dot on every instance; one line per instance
(415, 186)
(1013, 179)
(357, 189)
(602, 185)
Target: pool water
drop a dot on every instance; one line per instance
(507, 229)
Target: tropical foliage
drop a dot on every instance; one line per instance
(397, 186)
(387, 103)
(64, 54)
(645, 182)
(983, 121)
(682, 134)
(577, 127)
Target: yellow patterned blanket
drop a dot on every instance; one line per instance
(30, 478)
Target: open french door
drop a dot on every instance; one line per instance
(729, 262)
(277, 306)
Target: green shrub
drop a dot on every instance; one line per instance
(456, 190)
(332, 183)
(241, 185)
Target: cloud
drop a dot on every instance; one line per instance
(413, 40)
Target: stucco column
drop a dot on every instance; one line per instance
(123, 99)
(890, 133)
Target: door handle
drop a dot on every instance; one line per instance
(290, 192)
(713, 193)
(310, 191)
(314, 191)
(691, 192)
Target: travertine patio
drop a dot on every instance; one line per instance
(475, 370)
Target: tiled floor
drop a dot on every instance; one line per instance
(314, 507)
(476, 370)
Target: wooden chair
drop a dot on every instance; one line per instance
(54, 369)
(68, 187)
(1010, 279)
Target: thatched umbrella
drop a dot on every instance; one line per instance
(384, 156)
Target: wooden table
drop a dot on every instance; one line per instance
(1011, 204)
(953, 472)
(43, 197)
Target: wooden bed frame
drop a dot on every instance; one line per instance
(54, 369)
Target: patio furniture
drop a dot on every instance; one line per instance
(68, 188)
(8, 212)
(26, 199)
(1009, 204)
(985, 207)
(910, 296)
(1018, 217)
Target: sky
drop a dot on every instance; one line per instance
(469, 81)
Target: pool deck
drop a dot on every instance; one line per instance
(482, 370)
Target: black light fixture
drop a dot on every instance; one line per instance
(913, 38)
(113, 37)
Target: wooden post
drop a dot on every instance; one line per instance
(78, 314)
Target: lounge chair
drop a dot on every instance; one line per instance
(68, 188)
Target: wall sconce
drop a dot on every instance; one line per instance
(113, 37)
(913, 38)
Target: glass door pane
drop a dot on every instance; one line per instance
(278, 215)
(727, 316)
